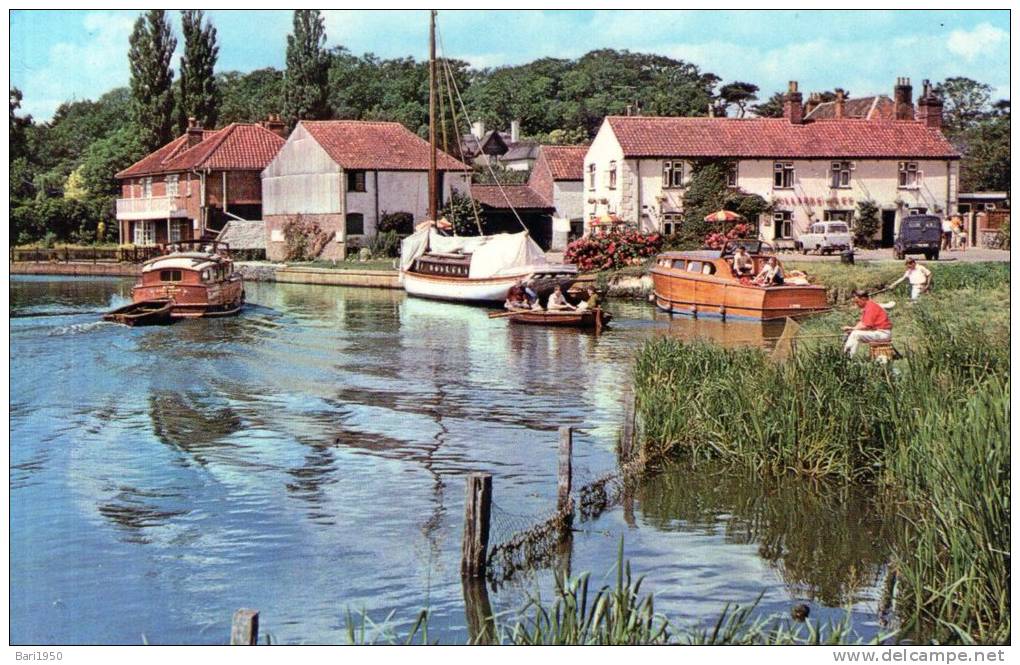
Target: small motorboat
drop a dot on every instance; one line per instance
(198, 278)
(142, 313)
(595, 319)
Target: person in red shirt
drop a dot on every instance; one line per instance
(874, 325)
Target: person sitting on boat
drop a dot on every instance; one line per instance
(919, 278)
(771, 274)
(516, 298)
(874, 325)
(592, 302)
(743, 264)
(529, 291)
(557, 301)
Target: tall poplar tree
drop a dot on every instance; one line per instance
(305, 86)
(198, 95)
(152, 78)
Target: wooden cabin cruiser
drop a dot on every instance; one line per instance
(197, 277)
(473, 269)
(702, 283)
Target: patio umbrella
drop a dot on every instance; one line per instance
(724, 216)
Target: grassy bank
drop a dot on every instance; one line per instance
(933, 429)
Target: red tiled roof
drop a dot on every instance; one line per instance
(643, 136)
(236, 147)
(566, 162)
(379, 146)
(519, 196)
(875, 107)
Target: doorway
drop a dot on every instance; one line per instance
(888, 227)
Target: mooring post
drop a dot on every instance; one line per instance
(627, 437)
(565, 472)
(477, 510)
(245, 629)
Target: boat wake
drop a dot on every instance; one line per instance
(80, 328)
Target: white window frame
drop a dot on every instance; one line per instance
(673, 174)
(144, 233)
(840, 174)
(147, 188)
(671, 222)
(845, 216)
(909, 176)
(176, 230)
(784, 175)
(612, 174)
(783, 220)
(171, 185)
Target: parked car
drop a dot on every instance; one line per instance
(826, 238)
(919, 234)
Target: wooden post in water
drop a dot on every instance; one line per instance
(477, 510)
(565, 471)
(244, 631)
(478, 611)
(627, 436)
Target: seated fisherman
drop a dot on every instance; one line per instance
(919, 278)
(771, 274)
(874, 325)
(743, 264)
(557, 301)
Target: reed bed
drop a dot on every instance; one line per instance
(933, 429)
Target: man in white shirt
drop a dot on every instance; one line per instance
(918, 276)
(947, 233)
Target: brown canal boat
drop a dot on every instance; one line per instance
(199, 282)
(144, 313)
(703, 283)
(590, 319)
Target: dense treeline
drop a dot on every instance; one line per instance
(62, 170)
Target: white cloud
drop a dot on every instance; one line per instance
(983, 39)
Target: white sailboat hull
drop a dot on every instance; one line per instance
(492, 289)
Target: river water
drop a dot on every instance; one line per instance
(308, 458)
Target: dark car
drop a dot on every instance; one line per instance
(919, 234)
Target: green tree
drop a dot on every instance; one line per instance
(866, 223)
(74, 187)
(198, 96)
(461, 211)
(305, 85)
(107, 156)
(250, 97)
(18, 139)
(152, 46)
(965, 102)
(986, 155)
(739, 94)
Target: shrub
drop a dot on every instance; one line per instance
(718, 240)
(612, 250)
(384, 245)
(398, 222)
(460, 210)
(865, 224)
(304, 239)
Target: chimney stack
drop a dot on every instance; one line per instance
(194, 132)
(903, 95)
(275, 125)
(813, 100)
(478, 129)
(929, 107)
(839, 107)
(793, 108)
(515, 131)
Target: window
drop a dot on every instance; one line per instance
(356, 181)
(694, 266)
(708, 269)
(169, 275)
(147, 188)
(839, 216)
(612, 175)
(187, 187)
(171, 186)
(909, 175)
(144, 233)
(679, 265)
(731, 175)
(671, 223)
(839, 174)
(783, 175)
(591, 176)
(783, 220)
(672, 174)
(355, 224)
(177, 230)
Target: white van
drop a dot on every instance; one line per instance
(826, 238)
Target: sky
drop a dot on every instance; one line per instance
(63, 55)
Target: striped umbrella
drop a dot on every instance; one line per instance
(724, 216)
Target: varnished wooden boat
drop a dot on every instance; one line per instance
(199, 282)
(143, 313)
(702, 283)
(593, 318)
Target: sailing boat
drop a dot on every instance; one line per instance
(471, 269)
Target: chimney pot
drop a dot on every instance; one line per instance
(793, 86)
(515, 131)
(903, 99)
(793, 107)
(194, 132)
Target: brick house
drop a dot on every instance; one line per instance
(809, 170)
(344, 175)
(558, 177)
(190, 187)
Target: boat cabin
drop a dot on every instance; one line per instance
(198, 283)
(450, 265)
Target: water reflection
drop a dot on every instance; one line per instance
(827, 543)
(186, 422)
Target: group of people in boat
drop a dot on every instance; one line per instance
(524, 296)
(771, 273)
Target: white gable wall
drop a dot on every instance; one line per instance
(302, 178)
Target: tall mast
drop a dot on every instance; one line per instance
(432, 115)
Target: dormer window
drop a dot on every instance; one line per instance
(356, 181)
